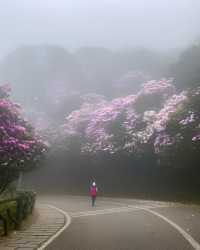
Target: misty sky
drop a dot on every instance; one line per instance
(108, 23)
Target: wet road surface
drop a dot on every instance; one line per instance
(126, 224)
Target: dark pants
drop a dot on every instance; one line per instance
(93, 200)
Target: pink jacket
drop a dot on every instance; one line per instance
(93, 191)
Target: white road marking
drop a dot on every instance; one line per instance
(111, 210)
(67, 223)
(99, 212)
(187, 236)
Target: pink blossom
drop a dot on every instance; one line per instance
(196, 138)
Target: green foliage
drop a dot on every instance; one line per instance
(12, 206)
(13, 211)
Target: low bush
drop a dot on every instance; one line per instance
(14, 211)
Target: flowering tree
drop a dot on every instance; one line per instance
(124, 124)
(156, 118)
(179, 143)
(20, 147)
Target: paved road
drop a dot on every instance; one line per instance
(126, 224)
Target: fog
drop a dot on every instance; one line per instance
(106, 23)
(95, 78)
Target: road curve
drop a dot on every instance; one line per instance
(123, 224)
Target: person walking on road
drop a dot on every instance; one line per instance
(93, 193)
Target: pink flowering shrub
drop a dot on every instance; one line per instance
(20, 147)
(124, 124)
(179, 143)
(157, 118)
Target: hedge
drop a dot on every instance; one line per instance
(14, 211)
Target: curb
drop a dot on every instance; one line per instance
(51, 222)
(67, 223)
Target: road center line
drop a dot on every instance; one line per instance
(187, 236)
(101, 212)
(110, 211)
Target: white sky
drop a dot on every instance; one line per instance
(108, 23)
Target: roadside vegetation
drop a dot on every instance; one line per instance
(14, 210)
(21, 149)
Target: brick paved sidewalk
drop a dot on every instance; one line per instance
(48, 222)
